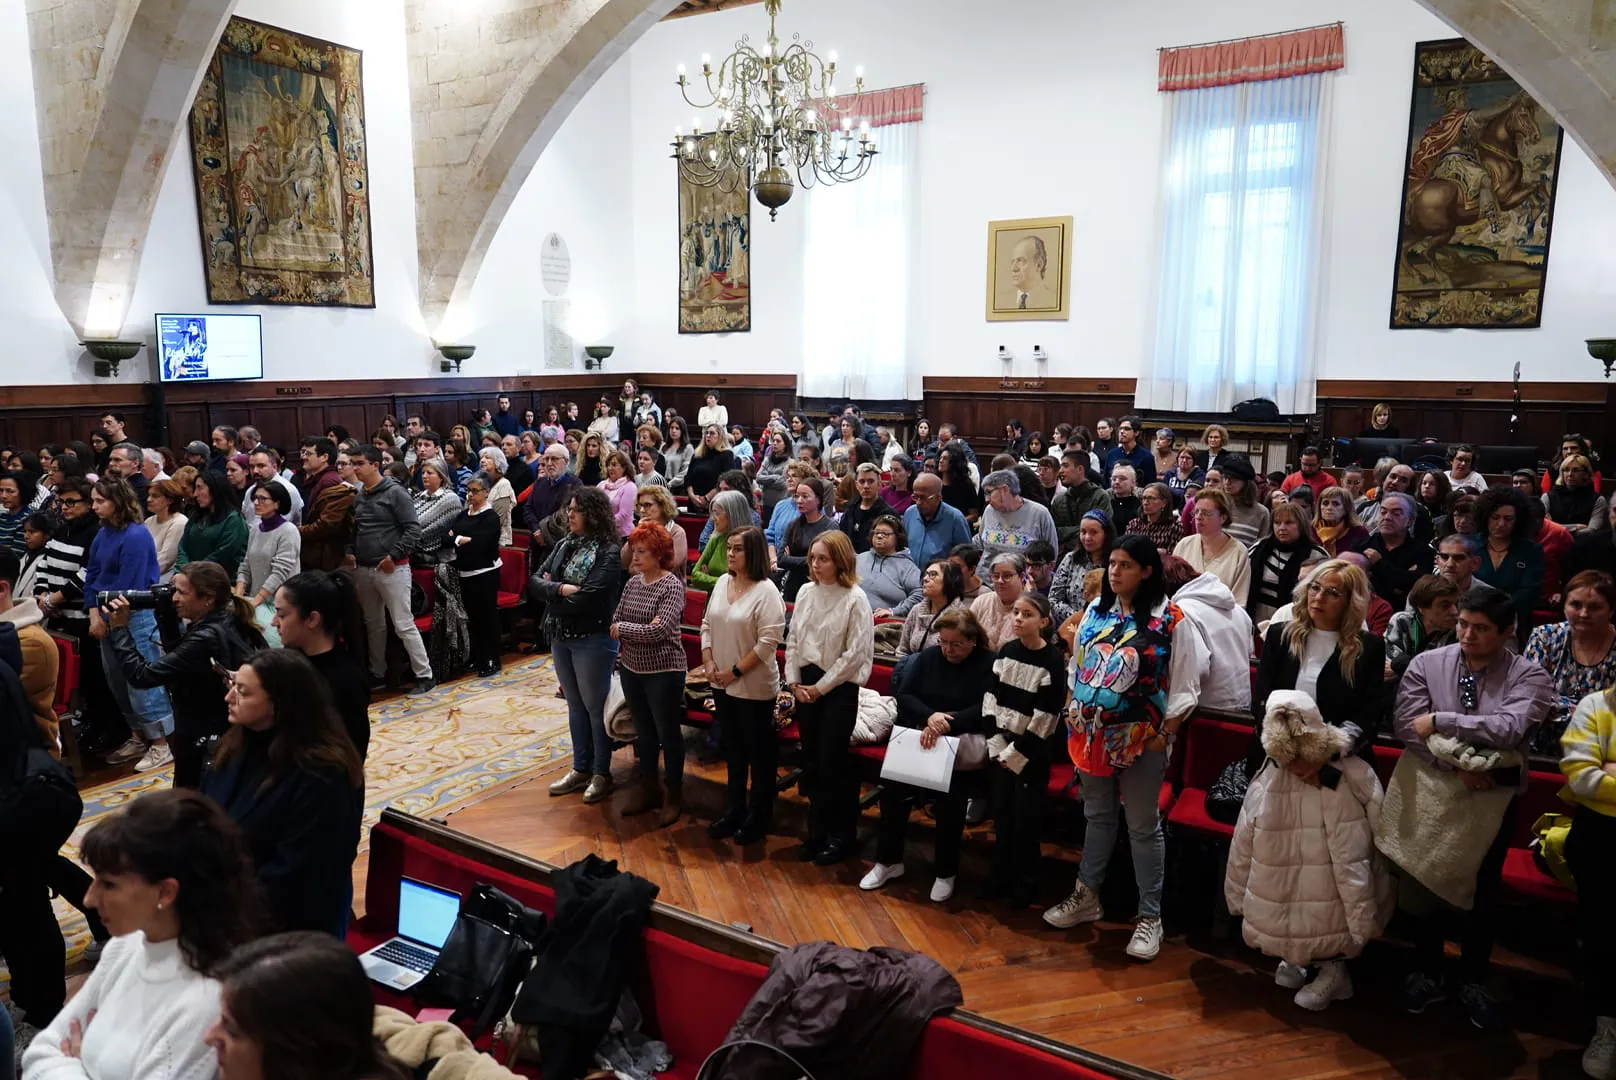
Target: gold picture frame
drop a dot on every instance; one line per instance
(1029, 269)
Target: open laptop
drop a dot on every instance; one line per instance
(426, 914)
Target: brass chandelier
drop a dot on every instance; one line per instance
(772, 121)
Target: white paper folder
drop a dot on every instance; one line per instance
(907, 763)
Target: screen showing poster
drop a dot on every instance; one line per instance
(191, 348)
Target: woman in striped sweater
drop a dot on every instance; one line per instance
(652, 660)
(1021, 711)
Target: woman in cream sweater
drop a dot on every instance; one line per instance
(830, 648)
(174, 884)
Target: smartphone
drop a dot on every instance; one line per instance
(220, 670)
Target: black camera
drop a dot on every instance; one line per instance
(138, 599)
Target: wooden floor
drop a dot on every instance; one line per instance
(1204, 1008)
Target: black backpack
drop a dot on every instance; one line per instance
(1256, 411)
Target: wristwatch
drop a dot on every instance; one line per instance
(735, 670)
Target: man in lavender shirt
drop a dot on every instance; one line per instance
(1481, 693)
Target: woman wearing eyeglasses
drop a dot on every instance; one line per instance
(1212, 550)
(1156, 519)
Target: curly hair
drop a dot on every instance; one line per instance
(600, 523)
(1356, 584)
(656, 540)
(1498, 496)
(185, 836)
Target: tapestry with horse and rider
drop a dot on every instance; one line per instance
(1478, 196)
(282, 183)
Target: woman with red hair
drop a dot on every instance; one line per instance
(651, 657)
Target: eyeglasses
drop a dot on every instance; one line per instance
(1327, 591)
(71, 502)
(1469, 691)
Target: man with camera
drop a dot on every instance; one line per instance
(220, 634)
(386, 532)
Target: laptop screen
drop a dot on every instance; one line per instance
(426, 914)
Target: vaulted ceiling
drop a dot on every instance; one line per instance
(703, 7)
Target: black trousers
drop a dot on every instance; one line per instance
(189, 745)
(479, 594)
(749, 745)
(1590, 851)
(657, 703)
(896, 802)
(31, 834)
(827, 726)
(1018, 810)
(69, 881)
(1475, 929)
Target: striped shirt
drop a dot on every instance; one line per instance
(62, 569)
(1025, 695)
(647, 649)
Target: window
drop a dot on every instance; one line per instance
(858, 276)
(1244, 197)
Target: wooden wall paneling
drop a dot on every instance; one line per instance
(187, 422)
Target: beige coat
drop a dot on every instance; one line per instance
(1303, 868)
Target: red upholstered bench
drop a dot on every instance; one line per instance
(689, 991)
(695, 608)
(692, 525)
(1207, 746)
(512, 578)
(1521, 872)
(426, 580)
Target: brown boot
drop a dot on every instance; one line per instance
(672, 808)
(646, 796)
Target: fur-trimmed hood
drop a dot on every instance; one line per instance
(1293, 730)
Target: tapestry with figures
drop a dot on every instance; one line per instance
(282, 184)
(715, 265)
(1478, 196)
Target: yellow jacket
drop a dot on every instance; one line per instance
(1589, 743)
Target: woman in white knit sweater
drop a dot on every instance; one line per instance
(274, 554)
(830, 648)
(174, 884)
(500, 495)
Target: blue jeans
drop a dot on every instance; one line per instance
(1135, 789)
(147, 712)
(8, 1038)
(584, 666)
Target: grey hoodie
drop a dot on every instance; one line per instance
(891, 582)
(384, 524)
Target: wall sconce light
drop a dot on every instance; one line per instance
(1039, 355)
(1005, 357)
(109, 354)
(1604, 350)
(595, 356)
(453, 355)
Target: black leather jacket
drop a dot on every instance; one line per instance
(186, 666)
(590, 609)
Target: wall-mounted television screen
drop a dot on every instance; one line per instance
(197, 348)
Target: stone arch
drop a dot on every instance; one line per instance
(112, 85)
(474, 150)
(1562, 51)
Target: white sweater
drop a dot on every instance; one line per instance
(832, 629)
(151, 1012)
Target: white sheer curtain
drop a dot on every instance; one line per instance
(858, 276)
(1245, 197)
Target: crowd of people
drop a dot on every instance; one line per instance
(1086, 585)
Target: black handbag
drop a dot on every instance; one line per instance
(1228, 792)
(489, 952)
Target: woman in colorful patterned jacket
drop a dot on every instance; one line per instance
(1133, 677)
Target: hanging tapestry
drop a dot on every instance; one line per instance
(715, 258)
(282, 186)
(1478, 196)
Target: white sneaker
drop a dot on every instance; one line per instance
(157, 755)
(1599, 1060)
(1146, 940)
(131, 750)
(1332, 984)
(942, 890)
(1081, 907)
(880, 874)
(1290, 976)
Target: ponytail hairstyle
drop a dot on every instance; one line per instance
(210, 579)
(328, 595)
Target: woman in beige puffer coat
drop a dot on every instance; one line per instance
(1303, 869)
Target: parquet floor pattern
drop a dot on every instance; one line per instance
(1203, 1009)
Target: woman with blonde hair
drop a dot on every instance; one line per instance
(829, 651)
(1574, 501)
(589, 466)
(1279, 561)
(1216, 437)
(654, 503)
(1335, 522)
(712, 459)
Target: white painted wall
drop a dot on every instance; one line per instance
(1076, 130)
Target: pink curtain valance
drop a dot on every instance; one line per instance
(1275, 56)
(897, 105)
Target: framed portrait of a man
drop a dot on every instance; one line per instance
(1029, 269)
